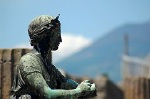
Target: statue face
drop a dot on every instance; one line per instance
(51, 35)
(55, 39)
(51, 41)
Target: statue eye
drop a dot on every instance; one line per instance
(48, 26)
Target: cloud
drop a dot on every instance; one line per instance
(70, 44)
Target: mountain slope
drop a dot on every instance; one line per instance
(104, 55)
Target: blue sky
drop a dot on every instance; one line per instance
(84, 19)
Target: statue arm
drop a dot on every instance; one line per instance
(32, 76)
(66, 83)
(71, 84)
(37, 82)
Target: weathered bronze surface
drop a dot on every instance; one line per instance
(36, 77)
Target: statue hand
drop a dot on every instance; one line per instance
(91, 92)
(84, 86)
(93, 88)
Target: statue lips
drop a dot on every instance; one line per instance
(58, 42)
(56, 46)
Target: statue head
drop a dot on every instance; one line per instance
(45, 32)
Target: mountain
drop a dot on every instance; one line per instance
(104, 55)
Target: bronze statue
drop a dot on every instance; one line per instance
(36, 76)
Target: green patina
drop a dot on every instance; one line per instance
(36, 77)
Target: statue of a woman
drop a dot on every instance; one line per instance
(37, 77)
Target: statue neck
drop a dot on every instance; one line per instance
(45, 53)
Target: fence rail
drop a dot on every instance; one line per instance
(135, 67)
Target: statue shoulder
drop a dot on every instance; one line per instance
(30, 58)
(30, 63)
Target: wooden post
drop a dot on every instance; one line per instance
(6, 73)
(1, 52)
(137, 89)
(148, 87)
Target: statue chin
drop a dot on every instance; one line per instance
(54, 48)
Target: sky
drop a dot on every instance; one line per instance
(82, 21)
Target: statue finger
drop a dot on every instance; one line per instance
(87, 81)
(89, 84)
(93, 87)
